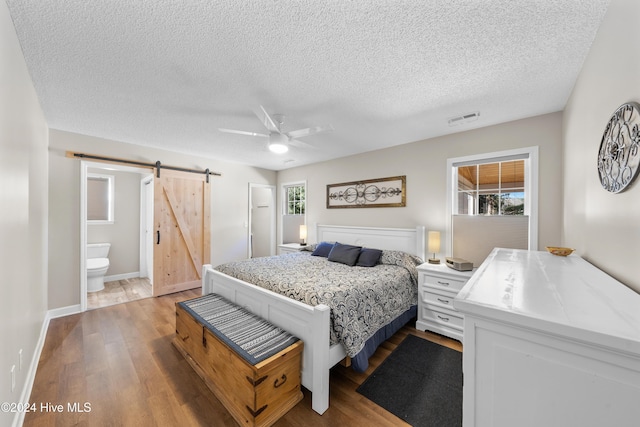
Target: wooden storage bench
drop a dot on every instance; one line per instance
(251, 366)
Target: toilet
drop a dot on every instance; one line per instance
(97, 265)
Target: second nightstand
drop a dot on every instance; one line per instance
(286, 248)
(438, 285)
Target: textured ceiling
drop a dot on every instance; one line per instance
(168, 74)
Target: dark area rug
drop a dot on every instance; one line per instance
(419, 382)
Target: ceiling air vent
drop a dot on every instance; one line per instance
(466, 118)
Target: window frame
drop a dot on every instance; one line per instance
(283, 229)
(285, 198)
(499, 189)
(530, 154)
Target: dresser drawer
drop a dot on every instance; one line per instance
(442, 282)
(442, 316)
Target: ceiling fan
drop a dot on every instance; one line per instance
(278, 140)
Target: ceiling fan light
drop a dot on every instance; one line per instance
(278, 143)
(278, 148)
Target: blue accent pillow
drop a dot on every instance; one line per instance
(322, 249)
(344, 254)
(369, 257)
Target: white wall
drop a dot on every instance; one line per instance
(23, 217)
(602, 226)
(229, 212)
(425, 165)
(291, 228)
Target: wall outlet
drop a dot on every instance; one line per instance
(13, 378)
(20, 360)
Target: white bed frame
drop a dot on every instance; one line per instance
(311, 323)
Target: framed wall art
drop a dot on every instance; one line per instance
(370, 193)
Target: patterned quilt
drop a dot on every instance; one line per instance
(361, 299)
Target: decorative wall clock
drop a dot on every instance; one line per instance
(619, 154)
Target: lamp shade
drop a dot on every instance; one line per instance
(303, 232)
(434, 242)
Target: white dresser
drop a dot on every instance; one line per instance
(437, 287)
(549, 341)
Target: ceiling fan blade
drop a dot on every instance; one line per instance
(266, 119)
(301, 144)
(309, 131)
(242, 132)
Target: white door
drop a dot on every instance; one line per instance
(262, 220)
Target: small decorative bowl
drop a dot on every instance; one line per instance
(559, 251)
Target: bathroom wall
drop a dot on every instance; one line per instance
(124, 233)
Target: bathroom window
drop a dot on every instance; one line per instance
(100, 194)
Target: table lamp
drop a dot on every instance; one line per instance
(434, 246)
(303, 235)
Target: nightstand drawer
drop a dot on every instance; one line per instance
(442, 316)
(437, 299)
(441, 282)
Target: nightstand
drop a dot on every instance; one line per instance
(438, 285)
(290, 247)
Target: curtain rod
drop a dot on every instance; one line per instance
(157, 165)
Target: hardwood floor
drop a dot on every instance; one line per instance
(120, 362)
(120, 291)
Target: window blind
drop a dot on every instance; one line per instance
(475, 236)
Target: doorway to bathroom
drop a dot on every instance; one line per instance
(117, 203)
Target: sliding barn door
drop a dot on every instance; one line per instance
(182, 235)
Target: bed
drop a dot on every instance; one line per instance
(327, 341)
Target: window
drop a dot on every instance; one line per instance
(294, 207)
(295, 200)
(491, 188)
(492, 202)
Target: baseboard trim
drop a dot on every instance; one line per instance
(123, 276)
(64, 311)
(18, 419)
